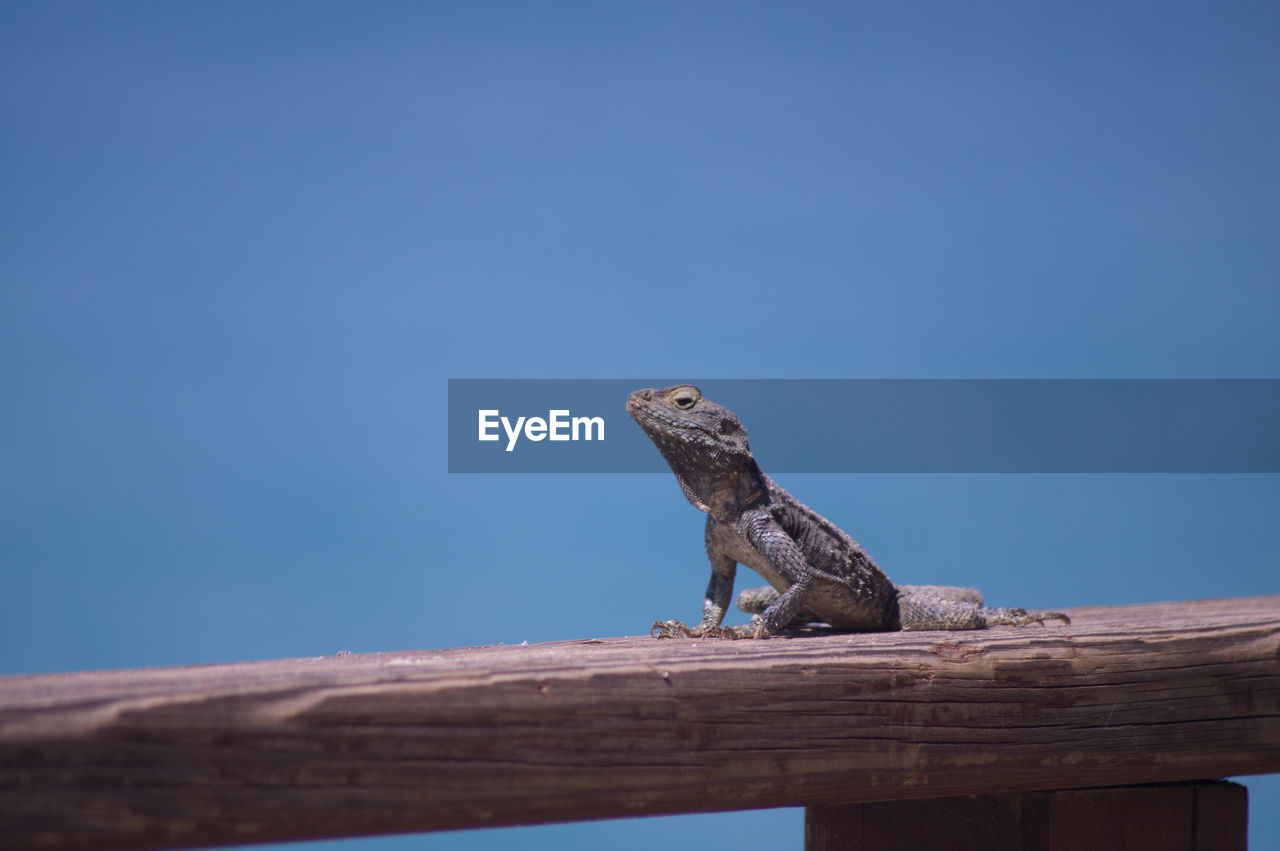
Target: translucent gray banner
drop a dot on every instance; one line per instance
(885, 426)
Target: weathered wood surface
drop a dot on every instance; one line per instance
(1203, 816)
(431, 740)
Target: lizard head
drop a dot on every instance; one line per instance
(704, 443)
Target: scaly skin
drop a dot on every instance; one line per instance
(816, 572)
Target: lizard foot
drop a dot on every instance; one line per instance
(1021, 617)
(679, 629)
(755, 629)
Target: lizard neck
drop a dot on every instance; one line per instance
(725, 493)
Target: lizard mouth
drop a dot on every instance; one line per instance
(648, 413)
(639, 402)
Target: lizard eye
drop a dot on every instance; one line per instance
(685, 398)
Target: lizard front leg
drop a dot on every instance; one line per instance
(714, 604)
(788, 561)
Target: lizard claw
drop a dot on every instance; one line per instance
(668, 629)
(1041, 617)
(751, 630)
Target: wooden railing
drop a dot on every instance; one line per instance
(487, 736)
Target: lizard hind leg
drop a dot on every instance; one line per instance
(754, 601)
(922, 611)
(945, 592)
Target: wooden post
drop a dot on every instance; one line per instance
(1204, 816)
(487, 736)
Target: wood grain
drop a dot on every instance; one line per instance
(430, 740)
(1201, 816)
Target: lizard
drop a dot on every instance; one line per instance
(816, 572)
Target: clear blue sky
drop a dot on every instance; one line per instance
(243, 246)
